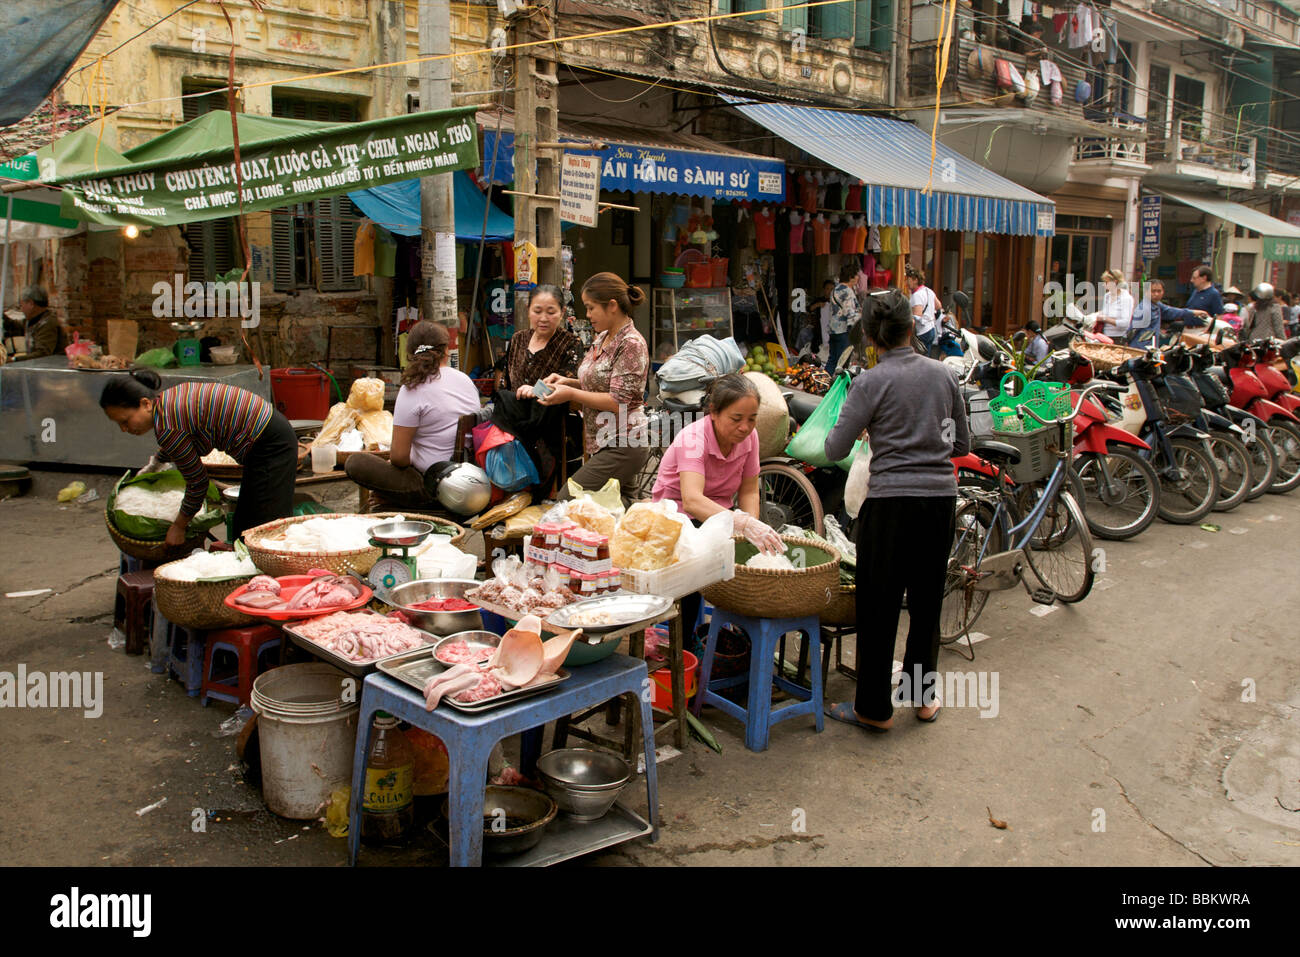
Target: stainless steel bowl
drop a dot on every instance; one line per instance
(527, 810)
(584, 783)
(401, 533)
(438, 622)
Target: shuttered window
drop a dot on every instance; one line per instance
(312, 243)
(794, 19)
(214, 243)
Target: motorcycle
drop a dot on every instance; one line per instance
(1227, 440)
(1263, 460)
(1238, 371)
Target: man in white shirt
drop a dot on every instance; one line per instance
(925, 307)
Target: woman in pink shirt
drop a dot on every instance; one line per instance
(713, 463)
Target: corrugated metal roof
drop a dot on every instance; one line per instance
(1252, 219)
(893, 159)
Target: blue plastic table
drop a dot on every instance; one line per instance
(470, 738)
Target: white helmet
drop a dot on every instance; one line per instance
(465, 489)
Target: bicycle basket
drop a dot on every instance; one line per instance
(1038, 452)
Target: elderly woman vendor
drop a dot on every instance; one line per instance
(713, 463)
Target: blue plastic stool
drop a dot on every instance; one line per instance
(470, 738)
(759, 715)
(186, 663)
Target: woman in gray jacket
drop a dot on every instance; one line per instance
(912, 410)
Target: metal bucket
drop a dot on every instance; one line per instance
(307, 732)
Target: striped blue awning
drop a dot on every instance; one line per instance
(892, 158)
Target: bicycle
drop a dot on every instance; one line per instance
(1000, 532)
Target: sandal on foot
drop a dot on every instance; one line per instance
(929, 719)
(843, 712)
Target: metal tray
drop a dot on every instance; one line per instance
(627, 609)
(416, 667)
(356, 669)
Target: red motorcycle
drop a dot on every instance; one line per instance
(1253, 389)
(1120, 489)
(1275, 383)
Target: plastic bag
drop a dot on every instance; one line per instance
(647, 536)
(698, 363)
(367, 395)
(155, 529)
(855, 487)
(524, 521)
(340, 419)
(609, 496)
(376, 428)
(510, 468)
(836, 537)
(809, 443)
(713, 535)
(156, 358)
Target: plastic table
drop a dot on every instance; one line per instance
(470, 738)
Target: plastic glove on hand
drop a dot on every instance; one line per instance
(760, 535)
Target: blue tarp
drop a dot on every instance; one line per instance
(893, 159)
(642, 168)
(396, 207)
(42, 39)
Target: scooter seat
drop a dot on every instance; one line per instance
(801, 406)
(993, 450)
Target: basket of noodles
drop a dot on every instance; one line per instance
(807, 588)
(194, 597)
(278, 548)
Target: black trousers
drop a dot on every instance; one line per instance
(903, 545)
(266, 490)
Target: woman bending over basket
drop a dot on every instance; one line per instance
(192, 419)
(913, 411)
(429, 405)
(713, 465)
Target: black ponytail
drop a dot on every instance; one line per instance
(128, 390)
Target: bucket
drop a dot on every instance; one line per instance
(663, 687)
(307, 734)
(301, 393)
(718, 271)
(699, 275)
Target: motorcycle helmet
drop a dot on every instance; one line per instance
(465, 490)
(1263, 292)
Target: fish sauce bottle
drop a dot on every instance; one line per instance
(388, 802)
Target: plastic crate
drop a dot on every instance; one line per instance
(1038, 452)
(780, 361)
(684, 578)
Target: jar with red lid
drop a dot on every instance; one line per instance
(587, 585)
(602, 546)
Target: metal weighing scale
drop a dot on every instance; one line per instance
(397, 566)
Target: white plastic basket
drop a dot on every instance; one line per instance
(684, 578)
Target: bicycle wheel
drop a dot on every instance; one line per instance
(1066, 567)
(1233, 464)
(962, 604)
(1285, 438)
(645, 479)
(1121, 493)
(1189, 486)
(1263, 465)
(786, 497)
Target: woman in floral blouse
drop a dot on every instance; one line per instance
(545, 347)
(610, 387)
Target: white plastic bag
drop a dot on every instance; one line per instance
(713, 535)
(855, 487)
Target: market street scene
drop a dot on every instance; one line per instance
(625, 435)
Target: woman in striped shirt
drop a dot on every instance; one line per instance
(192, 419)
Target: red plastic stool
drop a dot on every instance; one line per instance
(248, 645)
(133, 609)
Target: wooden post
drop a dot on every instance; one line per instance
(437, 212)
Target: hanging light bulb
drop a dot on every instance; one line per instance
(131, 231)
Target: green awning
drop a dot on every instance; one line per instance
(188, 174)
(1281, 240)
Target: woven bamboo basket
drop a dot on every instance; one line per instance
(1104, 358)
(154, 551)
(276, 562)
(198, 604)
(774, 593)
(843, 609)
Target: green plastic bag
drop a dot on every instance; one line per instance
(155, 529)
(809, 443)
(156, 358)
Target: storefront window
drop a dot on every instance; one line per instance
(1243, 270)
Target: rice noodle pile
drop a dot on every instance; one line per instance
(210, 565)
(138, 500)
(322, 534)
(772, 562)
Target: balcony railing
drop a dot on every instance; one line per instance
(1194, 142)
(1112, 150)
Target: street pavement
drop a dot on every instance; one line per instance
(1156, 723)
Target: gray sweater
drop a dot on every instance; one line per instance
(915, 418)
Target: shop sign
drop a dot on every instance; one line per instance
(294, 169)
(1046, 221)
(579, 189)
(20, 167)
(649, 169)
(525, 264)
(1149, 228)
(1277, 249)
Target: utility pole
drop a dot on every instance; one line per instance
(437, 208)
(537, 219)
